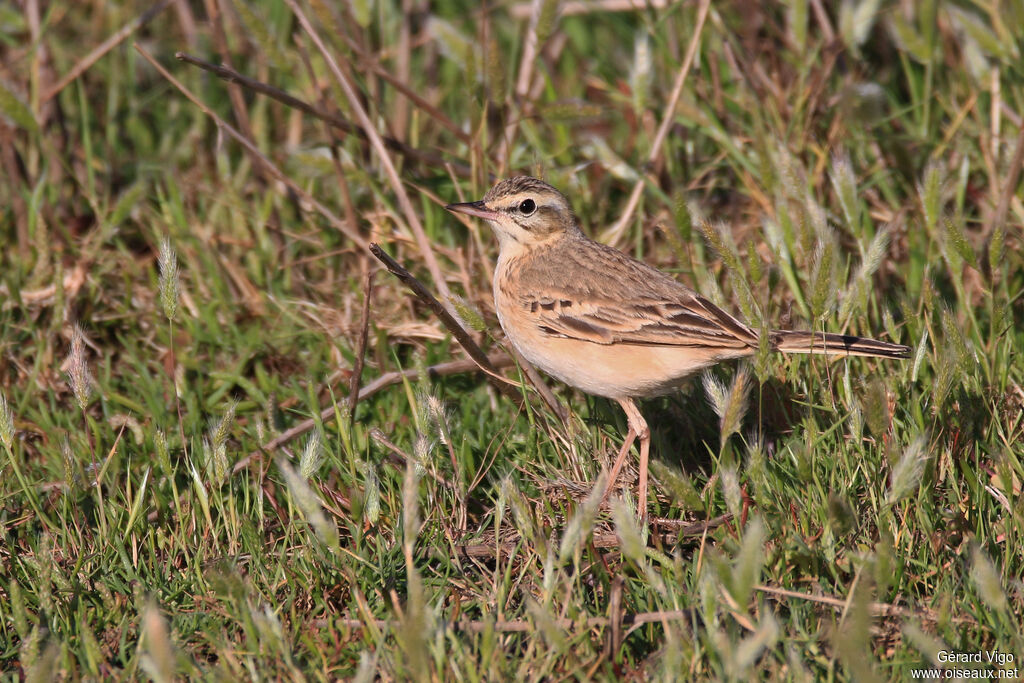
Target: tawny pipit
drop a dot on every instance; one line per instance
(608, 324)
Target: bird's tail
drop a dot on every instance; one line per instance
(791, 341)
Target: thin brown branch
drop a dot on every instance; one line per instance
(230, 75)
(503, 385)
(498, 360)
(103, 48)
(354, 102)
(612, 235)
(340, 225)
(364, 330)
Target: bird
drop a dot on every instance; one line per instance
(610, 325)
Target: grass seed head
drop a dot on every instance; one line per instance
(986, 578)
(170, 282)
(6, 423)
(906, 475)
(78, 369)
(312, 455)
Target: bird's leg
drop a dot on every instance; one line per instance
(637, 428)
(619, 460)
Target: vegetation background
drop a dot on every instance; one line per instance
(173, 302)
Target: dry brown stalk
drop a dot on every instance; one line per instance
(103, 48)
(228, 74)
(505, 386)
(355, 103)
(614, 233)
(250, 148)
(498, 360)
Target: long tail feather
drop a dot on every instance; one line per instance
(790, 341)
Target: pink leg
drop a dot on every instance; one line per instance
(619, 461)
(637, 428)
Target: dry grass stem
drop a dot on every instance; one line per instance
(354, 101)
(427, 158)
(103, 48)
(260, 158)
(615, 233)
(497, 360)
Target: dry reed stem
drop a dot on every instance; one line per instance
(339, 224)
(498, 360)
(411, 217)
(103, 48)
(505, 386)
(614, 233)
(397, 146)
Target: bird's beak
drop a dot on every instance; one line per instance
(478, 209)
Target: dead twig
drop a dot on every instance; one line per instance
(103, 48)
(505, 386)
(612, 235)
(498, 360)
(340, 225)
(230, 75)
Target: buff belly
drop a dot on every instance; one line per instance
(614, 370)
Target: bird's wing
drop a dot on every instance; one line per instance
(694, 321)
(624, 301)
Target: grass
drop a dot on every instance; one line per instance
(851, 170)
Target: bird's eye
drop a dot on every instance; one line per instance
(527, 206)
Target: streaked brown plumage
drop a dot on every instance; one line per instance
(605, 323)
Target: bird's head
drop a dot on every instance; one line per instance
(522, 210)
